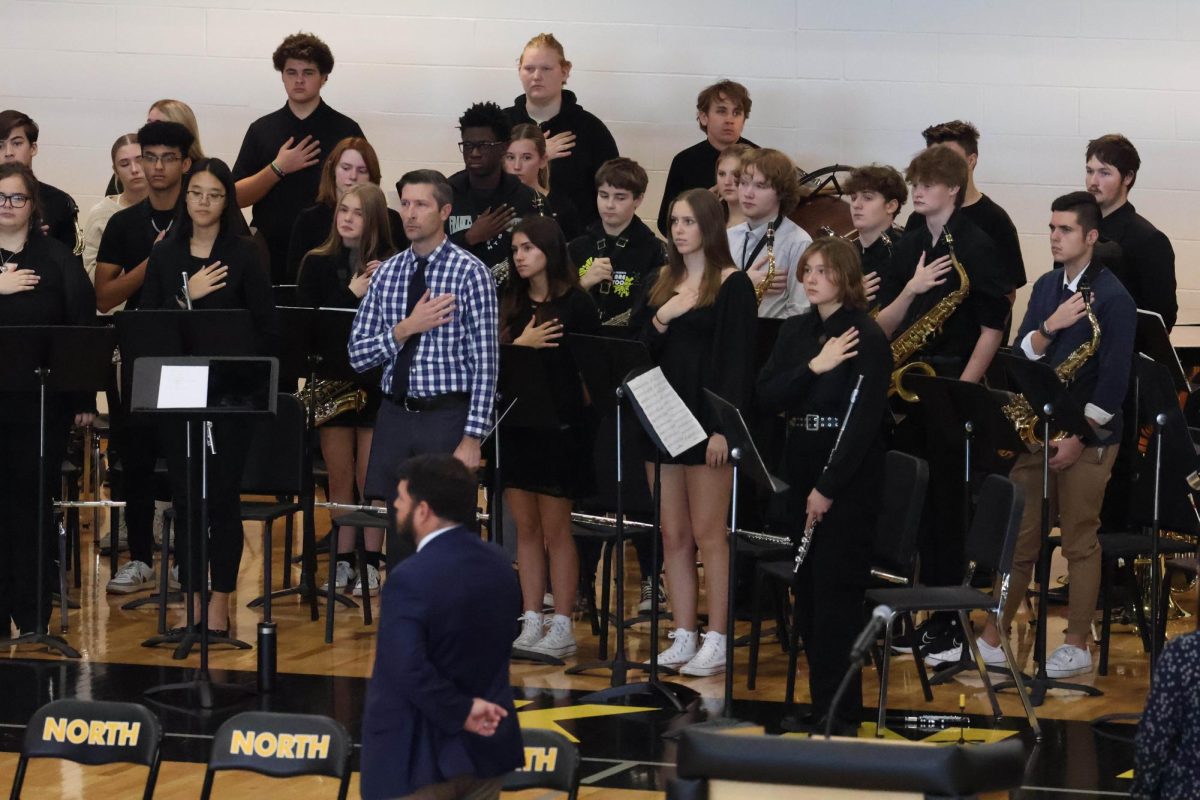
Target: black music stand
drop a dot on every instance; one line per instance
(604, 363)
(495, 519)
(217, 388)
(1153, 340)
(674, 695)
(1056, 411)
(741, 451)
(524, 385)
(51, 359)
(314, 346)
(988, 443)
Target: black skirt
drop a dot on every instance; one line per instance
(558, 463)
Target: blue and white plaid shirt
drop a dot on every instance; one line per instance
(460, 356)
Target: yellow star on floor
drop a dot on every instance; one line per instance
(548, 718)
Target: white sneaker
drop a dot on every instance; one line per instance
(1067, 661)
(710, 660)
(135, 576)
(559, 641)
(532, 631)
(372, 582)
(682, 651)
(992, 656)
(343, 575)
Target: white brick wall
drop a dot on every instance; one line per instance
(848, 82)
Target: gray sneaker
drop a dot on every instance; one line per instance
(135, 576)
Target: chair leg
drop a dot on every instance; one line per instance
(964, 620)
(1019, 685)
(755, 628)
(885, 663)
(918, 661)
(360, 553)
(1106, 585)
(288, 535)
(793, 647)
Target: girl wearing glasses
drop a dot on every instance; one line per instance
(223, 270)
(41, 283)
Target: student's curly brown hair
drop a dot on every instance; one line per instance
(304, 47)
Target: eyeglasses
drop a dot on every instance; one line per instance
(197, 196)
(466, 147)
(167, 159)
(14, 200)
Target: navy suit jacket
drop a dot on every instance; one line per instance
(448, 619)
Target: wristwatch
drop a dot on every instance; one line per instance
(1044, 331)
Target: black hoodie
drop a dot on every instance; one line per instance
(636, 256)
(469, 205)
(573, 175)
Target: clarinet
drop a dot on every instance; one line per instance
(807, 537)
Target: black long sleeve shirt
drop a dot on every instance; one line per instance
(786, 384)
(1146, 264)
(692, 168)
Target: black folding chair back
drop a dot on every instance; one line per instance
(894, 551)
(281, 746)
(92, 733)
(275, 463)
(551, 762)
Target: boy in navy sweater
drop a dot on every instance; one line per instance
(1055, 324)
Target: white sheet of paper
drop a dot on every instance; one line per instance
(670, 417)
(183, 387)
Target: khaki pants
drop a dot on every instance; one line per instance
(464, 787)
(1076, 494)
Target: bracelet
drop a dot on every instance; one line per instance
(278, 172)
(660, 322)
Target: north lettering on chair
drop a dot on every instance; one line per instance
(92, 732)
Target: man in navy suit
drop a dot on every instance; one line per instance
(439, 720)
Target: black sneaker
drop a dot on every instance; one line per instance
(929, 634)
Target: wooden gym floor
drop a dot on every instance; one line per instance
(623, 753)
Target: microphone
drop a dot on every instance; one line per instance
(860, 653)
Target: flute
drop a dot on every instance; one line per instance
(187, 296)
(807, 537)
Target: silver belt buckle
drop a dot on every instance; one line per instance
(812, 422)
(408, 408)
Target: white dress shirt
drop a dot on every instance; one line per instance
(790, 243)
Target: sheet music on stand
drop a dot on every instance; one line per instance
(663, 412)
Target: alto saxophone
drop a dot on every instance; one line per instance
(760, 290)
(1021, 414)
(328, 399)
(909, 343)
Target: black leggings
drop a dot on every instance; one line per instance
(18, 499)
(232, 441)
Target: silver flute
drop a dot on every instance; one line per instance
(187, 296)
(807, 537)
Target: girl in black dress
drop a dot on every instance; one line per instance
(223, 270)
(41, 283)
(810, 375)
(353, 162)
(699, 326)
(544, 471)
(337, 275)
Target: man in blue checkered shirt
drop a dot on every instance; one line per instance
(430, 319)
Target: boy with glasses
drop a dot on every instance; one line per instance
(488, 202)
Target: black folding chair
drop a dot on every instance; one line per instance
(275, 466)
(990, 543)
(281, 746)
(551, 762)
(91, 733)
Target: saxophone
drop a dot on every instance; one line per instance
(331, 398)
(924, 329)
(760, 290)
(1022, 415)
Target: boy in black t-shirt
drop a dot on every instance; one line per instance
(488, 202)
(132, 232)
(721, 111)
(120, 272)
(988, 216)
(59, 213)
(876, 192)
(618, 255)
(278, 169)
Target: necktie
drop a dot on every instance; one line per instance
(404, 359)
